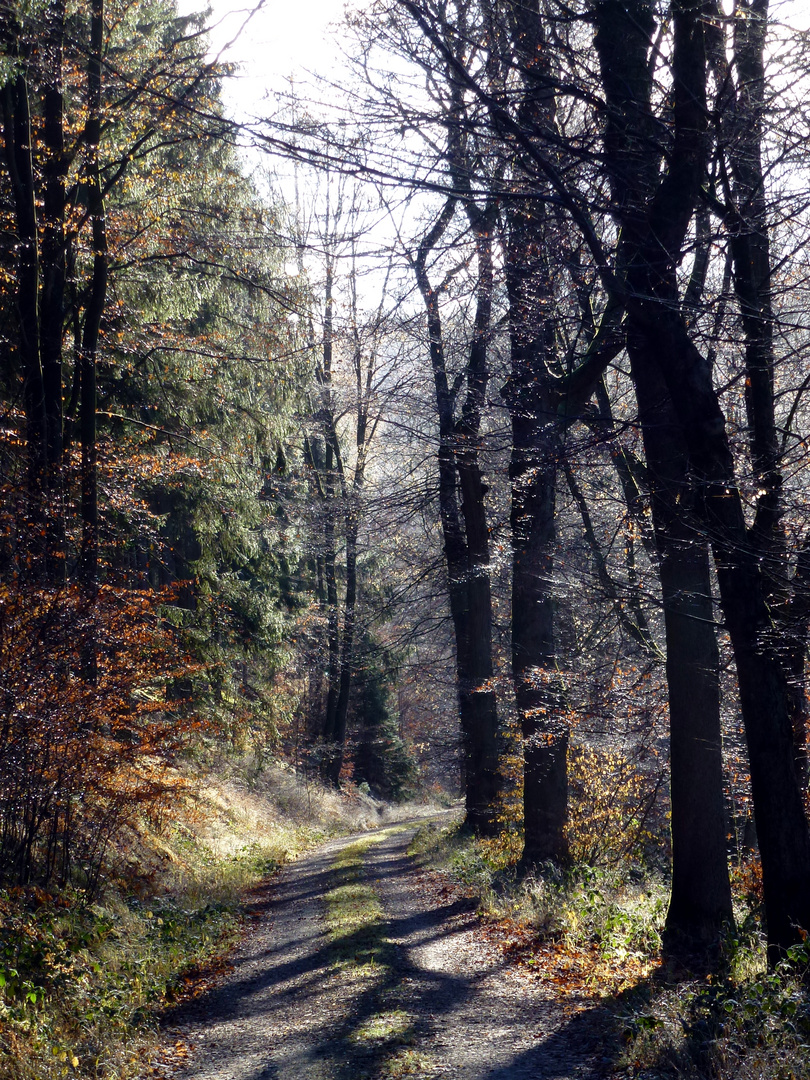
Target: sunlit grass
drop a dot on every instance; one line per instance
(354, 915)
(393, 1025)
(81, 985)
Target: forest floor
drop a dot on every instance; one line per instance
(360, 963)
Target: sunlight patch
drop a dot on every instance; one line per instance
(394, 1025)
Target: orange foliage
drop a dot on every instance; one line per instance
(746, 877)
(87, 725)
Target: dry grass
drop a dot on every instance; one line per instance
(81, 984)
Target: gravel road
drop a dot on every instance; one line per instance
(443, 1003)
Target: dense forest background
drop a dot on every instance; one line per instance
(444, 430)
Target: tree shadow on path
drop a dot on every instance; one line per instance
(288, 1012)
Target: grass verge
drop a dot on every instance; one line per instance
(742, 1023)
(81, 984)
(595, 934)
(590, 931)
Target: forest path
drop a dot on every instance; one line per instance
(435, 1001)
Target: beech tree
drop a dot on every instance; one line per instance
(701, 895)
(462, 505)
(655, 153)
(663, 350)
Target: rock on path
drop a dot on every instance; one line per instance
(443, 1004)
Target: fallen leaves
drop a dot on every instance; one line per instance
(580, 972)
(169, 1059)
(200, 978)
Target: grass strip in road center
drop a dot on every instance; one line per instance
(354, 914)
(379, 1042)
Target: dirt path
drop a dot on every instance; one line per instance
(439, 1002)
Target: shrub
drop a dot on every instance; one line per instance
(615, 812)
(86, 727)
(727, 1028)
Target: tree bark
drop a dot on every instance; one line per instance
(532, 399)
(329, 492)
(740, 554)
(365, 426)
(54, 259)
(17, 136)
(466, 545)
(700, 901)
(346, 670)
(95, 305)
(536, 453)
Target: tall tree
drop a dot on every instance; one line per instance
(537, 452)
(667, 352)
(464, 522)
(700, 902)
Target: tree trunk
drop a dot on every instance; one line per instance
(700, 901)
(466, 554)
(54, 258)
(17, 136)
(782, 829)
(329, 495)
(538, 696)
(536, 454)
(749, 241)
(332, 613)
(95, 307)
(797, 627)
(741, 555)
(482, 731)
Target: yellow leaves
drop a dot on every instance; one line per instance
(610, 805)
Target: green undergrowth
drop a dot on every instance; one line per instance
(82, 983)
(616, 910)
(742, 1022)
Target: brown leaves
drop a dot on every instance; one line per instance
(84, 746)
(572, 972)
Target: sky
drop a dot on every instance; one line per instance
(283, 38)
(275, 41)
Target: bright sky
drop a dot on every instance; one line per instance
(282, 38)
(291, 37)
